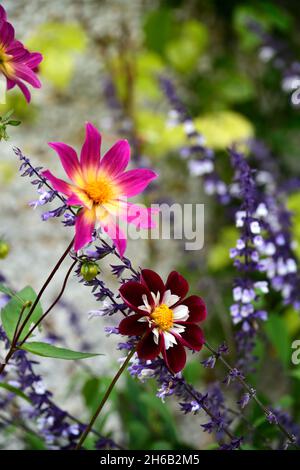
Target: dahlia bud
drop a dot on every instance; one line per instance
(4, 249)
(89, 270)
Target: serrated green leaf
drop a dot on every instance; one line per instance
(10, 313)
(15, 390)
(49, 350)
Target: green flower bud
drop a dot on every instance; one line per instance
(89, 270)
(4, 249)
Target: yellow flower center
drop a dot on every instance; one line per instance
(5, 66)
(163, 317)
(100, 191)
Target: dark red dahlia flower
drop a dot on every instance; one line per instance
(166, 320)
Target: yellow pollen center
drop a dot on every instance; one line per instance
(100, 191)
(163, 317)
(5, 66)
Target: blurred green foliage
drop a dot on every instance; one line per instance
(59, 43)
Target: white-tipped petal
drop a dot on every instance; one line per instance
(144, 319)
(170, 299)
(181, 313)
(144, 308)
(156, 298)
(170, 339)
(156, 335)
(177, 329)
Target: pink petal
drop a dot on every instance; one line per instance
(24, 89)
(130, 326)
(177, 284)
(25, 73)
(74, 200)
(10, 83)
(192, 337)
(58, 184)
(134, 214)
(80, 198)
(132, 293)
(114, 232)
(138, 215)
(69, 161)
(18, 51)
(7, 33)
(147, 349)
(90, 152)
(2, 13)
(116, 159)
(153, 281)
(34, 60)
(84, 227)
(133, 182)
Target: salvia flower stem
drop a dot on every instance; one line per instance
(206, 409)
(252, 393)
(269, 414)
(44, 408)
(234, 372)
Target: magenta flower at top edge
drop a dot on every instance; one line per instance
(101, 187)
(17, 64)
(164, 318)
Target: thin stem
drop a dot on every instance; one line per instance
(119, 256)
(206, 409)
(44, 287)
(104, 400)
(24, 306)
(51, 306)
(250, 390)
(35, 303)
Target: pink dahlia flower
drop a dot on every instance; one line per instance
(17, 64)
(164, 318)
(101, 187)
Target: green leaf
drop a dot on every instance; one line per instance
(15, 390)
(34, 442)
(158, 28)
(277, 333)
(7, 115)
(161, 445)
(183, 52)
(10, 313)
(91, 391)
(296, 374)
(156, 404)
(14, 123)
(48, 350)
(59, 43)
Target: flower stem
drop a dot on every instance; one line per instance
(206, 409)
(252, 394)
(104, 400)
(35, 303)
(51, 306)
